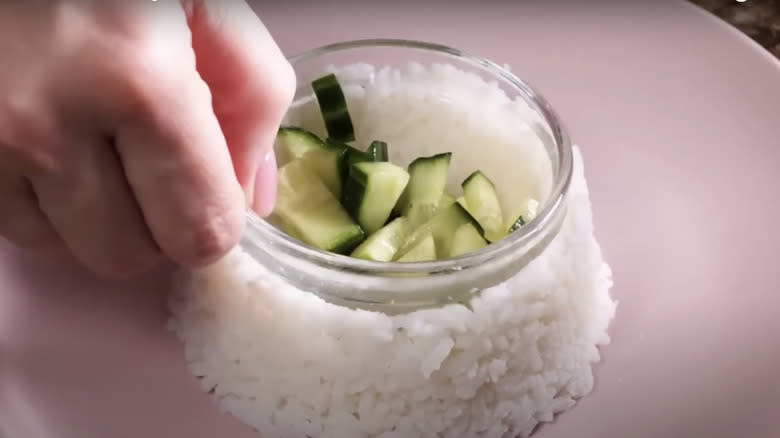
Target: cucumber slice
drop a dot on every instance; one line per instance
(465, 240)
(292, 143)
(326, 162)
(482, 200)
(349, 156)
(445, 201)
(333, 106)
(354, 156)
(523, 215)
(309, 211)
(383, 244)
(427, 179)
(378, 150)
(421, 213)
(424, 251)
(442, 227)
(371, 191)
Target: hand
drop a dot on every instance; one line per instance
(135, 129)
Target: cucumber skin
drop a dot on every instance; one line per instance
(519, 222)
(353, 156)
(473, 175)
(378, 150)
(523, 215)
(349, 156)
(419, 160)
(333, 107)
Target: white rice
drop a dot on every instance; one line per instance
(292, 365)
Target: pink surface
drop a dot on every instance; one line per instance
(677, 115)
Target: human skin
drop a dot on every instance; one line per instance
(133, 131)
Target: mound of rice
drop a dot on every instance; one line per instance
(292, 365)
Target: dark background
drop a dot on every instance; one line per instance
(759, 19)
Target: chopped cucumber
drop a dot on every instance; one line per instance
(482, 201)
(383, 244)
(341, 199)
(290, 229)
(441, 226)
(423, 251)
(354, 156)
(333, 106)
(523, 215)
(310, 212)
(378, 150)
(325, 163)
(371, 191)
(445, 200)
(465, 240)
(293, 143)
(427, 179)
(421, 213)
(349, 157)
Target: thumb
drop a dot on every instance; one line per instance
(251, 84)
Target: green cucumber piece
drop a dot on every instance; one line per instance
(466, 239)
(354, 156)
(445, 201)
(326, 164)
(290, 229)
(371, 191)
(349, 156)
(382, 245)
(292, 143)
(442, 227)
(482, 200)
(421, 213)
(523, 215)
(423, 251)
(333, 106)
(427, 179)
(310, 213)
(378, 150)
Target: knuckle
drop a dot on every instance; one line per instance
(25, 140)
(34, 160)
(215, 235)
(137, 81)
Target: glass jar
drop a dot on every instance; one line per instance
(383, 286)
(297, 342)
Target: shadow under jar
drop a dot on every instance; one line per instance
(299, 342)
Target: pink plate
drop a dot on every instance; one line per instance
(678, 116)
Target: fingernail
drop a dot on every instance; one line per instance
(265, 186)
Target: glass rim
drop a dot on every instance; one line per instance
(518, 239)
